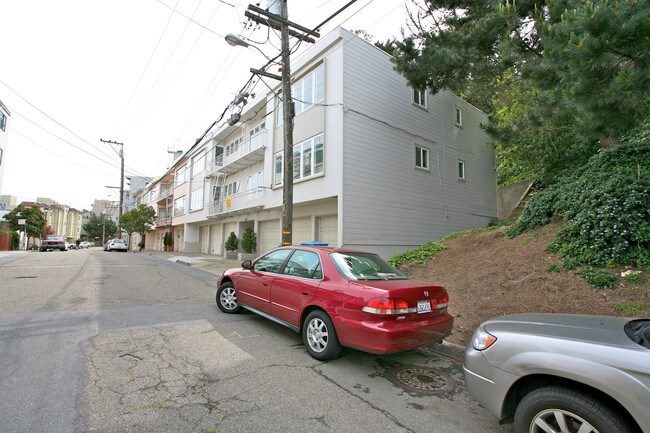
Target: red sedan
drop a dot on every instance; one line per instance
(338, 297)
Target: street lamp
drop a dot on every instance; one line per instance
(237, 41)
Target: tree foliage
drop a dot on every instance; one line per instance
(138, 220)
(99, 227)
(34, 220)
(232, 243)
(559, 79)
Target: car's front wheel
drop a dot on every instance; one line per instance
(319, 336)
(556, 408)
(227, 298)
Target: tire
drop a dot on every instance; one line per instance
(227, 299)
(319, 336)
(553, 403)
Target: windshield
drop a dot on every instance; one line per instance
(365, 266)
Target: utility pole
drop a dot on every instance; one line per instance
(288, 114)
(287, 28)
(121, 155)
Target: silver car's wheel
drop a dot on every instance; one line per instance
(319, 336)
(556, 420)
(556, 409)
(227, 299)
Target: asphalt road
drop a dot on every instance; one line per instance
(127, 342)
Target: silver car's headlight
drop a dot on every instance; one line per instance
(482, 339)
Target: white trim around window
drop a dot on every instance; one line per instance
(308, 160)
(420, 98)
(461, 171)
(421, 157)
(459, 117)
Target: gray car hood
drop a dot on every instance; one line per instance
(597, 329)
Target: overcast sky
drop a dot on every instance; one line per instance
(153, 74)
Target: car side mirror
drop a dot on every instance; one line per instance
(247, 264)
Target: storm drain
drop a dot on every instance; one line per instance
(421, 380)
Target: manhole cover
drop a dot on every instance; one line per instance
(422, 380)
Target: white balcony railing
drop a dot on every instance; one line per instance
(237, 202)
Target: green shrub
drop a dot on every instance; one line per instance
(553, 268)
(630, 308)
(232, 243)
(604, 206)
(249, 241)
(598, 278)
(418, 255)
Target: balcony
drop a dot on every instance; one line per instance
(164, 193)
(248, 153)
(163, 221)
(240, 203)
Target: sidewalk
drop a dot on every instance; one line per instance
(205, 262)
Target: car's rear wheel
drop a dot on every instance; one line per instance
(227, 298)
(319, 336)
(556, 408)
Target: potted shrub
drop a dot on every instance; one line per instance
(232, 244)
(168, 241)
(248, 244)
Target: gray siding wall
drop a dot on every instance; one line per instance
(388, 205)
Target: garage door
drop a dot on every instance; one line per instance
(205, 239)
(328, 230)
(215, 239)
(269, 235)
(301, 231)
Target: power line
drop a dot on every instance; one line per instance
(137, 86)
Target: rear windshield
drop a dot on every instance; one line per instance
(118, 241)
(54, 238)
(365, 266)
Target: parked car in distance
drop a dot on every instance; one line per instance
(116, 245)
(53, 242)
(71, 246)
(338, 297)
(562, 372)
(83, 245)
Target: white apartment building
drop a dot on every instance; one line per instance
(378, 165)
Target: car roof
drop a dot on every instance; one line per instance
(324, 249)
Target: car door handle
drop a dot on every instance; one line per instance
(306, 293)
(265, 284)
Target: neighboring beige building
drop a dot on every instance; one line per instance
(63, 219)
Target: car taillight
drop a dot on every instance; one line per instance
(439, 304)
(388, 306)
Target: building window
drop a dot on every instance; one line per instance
(179, 206)
(257, 136)
(196, 199)
(421, 157)
(306, 92)
(253, 184)
(308, 160)
(420, 98)
(232, 188)
(3, 121)
(198, 164)
(233, 147)
(1, 151)
(459, 117)
(461, 170)
(277, 168)
(181, 176)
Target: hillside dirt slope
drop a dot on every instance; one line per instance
(488, 274)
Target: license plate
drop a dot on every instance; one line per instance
(424, 306)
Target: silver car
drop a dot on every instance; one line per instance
(116, 245)
(563, 373)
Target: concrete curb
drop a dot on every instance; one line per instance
(451, 350)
